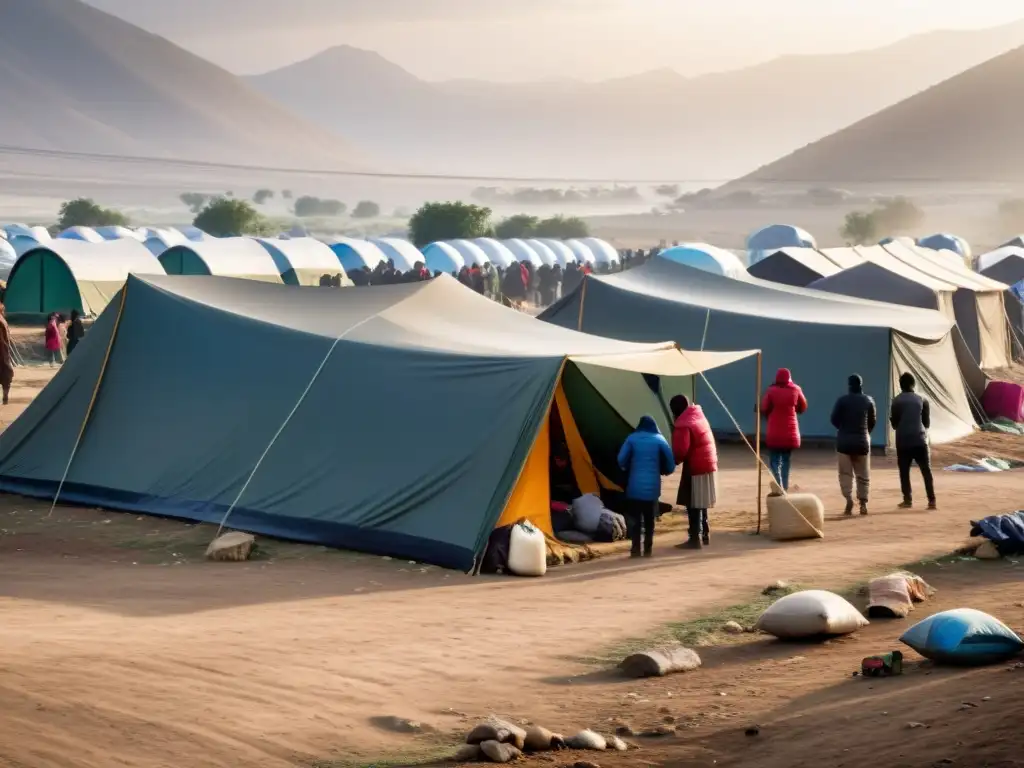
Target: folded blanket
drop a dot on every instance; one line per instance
(893, 596)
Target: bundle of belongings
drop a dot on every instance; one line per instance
(1006, 532)
(587, 521)
(498, 556)
(893, 596)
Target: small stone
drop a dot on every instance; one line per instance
(233, 547)
(732, 628)
(722, 693)
(585, 764)
(773, 589)
(986, 698)
(616, 744)
(497, 752)
(753, 730)
(496, 729)
(668, 719)
(625, 729)
(912, 726)
(468, 753)
(659, 732)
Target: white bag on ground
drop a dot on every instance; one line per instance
(809, 614)
(527, 551)
(586, 511)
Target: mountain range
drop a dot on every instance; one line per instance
(657, 124)
(964, 130)
(75, 79)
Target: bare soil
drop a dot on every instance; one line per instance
(123, 647)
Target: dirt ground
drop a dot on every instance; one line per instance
(122, 647)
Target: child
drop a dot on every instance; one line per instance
(645, 456)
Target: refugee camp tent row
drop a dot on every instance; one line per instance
(176, 434)
(224, 257)
(821, 338)
(304, 260)
(85, 234)
(24, 238)
(402, 253)
(66, 274)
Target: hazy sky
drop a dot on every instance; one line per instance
(536, 39)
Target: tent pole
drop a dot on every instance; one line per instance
(757, 441)
(583, 299)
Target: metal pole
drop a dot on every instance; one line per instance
(757, 441)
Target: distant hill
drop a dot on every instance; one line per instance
(655, 124)
(73, 78)
(965, 129)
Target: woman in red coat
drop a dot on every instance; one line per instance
(694, 447)
(782, 404)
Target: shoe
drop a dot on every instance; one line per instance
(932, 506)
(648, 554)
(864, 508)
(706, 539)
(690, 544)
(634, 555)
(849, 507)
(905, 504)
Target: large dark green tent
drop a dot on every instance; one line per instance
(402, 420)
(822, 338)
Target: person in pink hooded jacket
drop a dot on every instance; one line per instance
(782, 404)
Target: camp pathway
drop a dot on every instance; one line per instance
(274, 664)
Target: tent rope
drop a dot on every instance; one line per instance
(288, 419)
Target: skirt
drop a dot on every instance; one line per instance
(700, 492)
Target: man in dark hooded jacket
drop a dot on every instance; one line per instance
(911, 418)
(854, 417)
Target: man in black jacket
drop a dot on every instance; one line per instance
(911, 419)
(854, 418)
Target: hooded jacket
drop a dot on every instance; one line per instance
(693, 442)
(645, 456)
(854, 416)
(782, 403)
(911, 417)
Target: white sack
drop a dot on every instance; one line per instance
(810, 613)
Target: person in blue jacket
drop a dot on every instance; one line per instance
(645, 457)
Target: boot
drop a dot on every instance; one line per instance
(849, 507)
(932, 505)
(907, 503)
(694, 530)
(863, 508)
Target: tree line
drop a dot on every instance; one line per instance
(304, 207)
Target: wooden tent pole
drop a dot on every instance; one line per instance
(583, 299)
(757, 441)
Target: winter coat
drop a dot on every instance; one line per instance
(693, 442)
(782, 403)
(911, 418)
(52, 336)
(854, 418)
(646, 456)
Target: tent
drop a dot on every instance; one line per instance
(67, 274)
(793, 266)
(443, 257)
(604, 253)
(977, 302)
(1006, 265)
(776, 237)
(821, 338)
(159, 240)
(563, 253)
(498, 253)
(471, 252)
(366, 431)
(303, 260)
(86, 234)
(583, 253)
(523, 252)
(953, 244)
(402, 253)
(707, 257)
(222, 256)
(357, 254)
(547, 256)
(117, 233)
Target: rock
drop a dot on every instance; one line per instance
(913, 726)
(986, 698)
(753, 730)
(397, 724)
(987, 551)
(664, 711)
(625, 730)
(468, 753)
(733, 628)
(659, 662)
(497, 752)
(585, 764)
(668, 719)
(501, 731)
(616, 744)
(538, 739)
(659, 732)
(776, 588)
(588, 739)
(233, 546)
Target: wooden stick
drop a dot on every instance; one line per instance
(757, 441)
(583, 299)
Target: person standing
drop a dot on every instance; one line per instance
(782, 405)
(51, 336)
(911, 418)
(854, 417)
(693, 444)
(76, 330)
(645, 456)
(6, 356)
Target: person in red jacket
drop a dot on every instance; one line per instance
(693, 445)
(782, 404)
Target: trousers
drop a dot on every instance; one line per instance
(922, 456)
(778, 462)
(641, 515)
(851, 468)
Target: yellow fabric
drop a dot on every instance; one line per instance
(588, 477)
(531, 498)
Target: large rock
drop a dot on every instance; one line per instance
(659, 662)
(497, 752)
(468, 753)
(539, 739)
(233, 546)
(501, 731)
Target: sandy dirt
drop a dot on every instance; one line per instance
(122, 647)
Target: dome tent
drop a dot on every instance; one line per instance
(582, 251)
(774, 237)
(223, 256)
(947, 242)
(67, 274)
(563, 253)
(547, 256)
(355, 254)
(523, 252)
(471, 253)
(401, 253)
(443, 257)
(705, 257)
(159, 240)
(7, 258)
(303, 260)
(87, 234)
(117, 233)
(497, 252)
(604, 253)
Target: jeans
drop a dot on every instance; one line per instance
(641, 514)
(778, 462)
(905, 457)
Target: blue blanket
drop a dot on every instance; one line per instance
(1005, 531)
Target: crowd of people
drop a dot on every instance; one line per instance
(646, 456)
